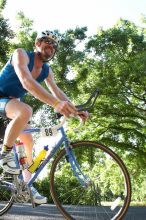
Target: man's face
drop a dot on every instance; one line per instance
(47, 48)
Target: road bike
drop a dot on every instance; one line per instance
(87, 179)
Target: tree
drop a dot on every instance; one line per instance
(117, 67)
(25, 36)
(69, 55)
(116, 63)
(5, 35)
(113, 60)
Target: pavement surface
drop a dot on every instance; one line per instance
(50, 212)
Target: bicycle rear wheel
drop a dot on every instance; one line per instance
(6, 194)
(109, 192)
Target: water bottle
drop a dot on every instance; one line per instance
(36, 162)
(21, 155)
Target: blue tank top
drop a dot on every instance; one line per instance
(10, 84)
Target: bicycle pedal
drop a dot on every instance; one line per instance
(7, 176)
(7, 173)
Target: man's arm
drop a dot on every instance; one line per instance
(55, 90)
(20, 61)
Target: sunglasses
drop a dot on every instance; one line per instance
(51, 42)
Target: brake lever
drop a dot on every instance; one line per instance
(83, 106)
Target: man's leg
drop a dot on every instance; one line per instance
(20, 113)
(27, 140)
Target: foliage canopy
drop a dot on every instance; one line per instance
(114, 60)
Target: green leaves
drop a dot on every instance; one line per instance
(114, 60)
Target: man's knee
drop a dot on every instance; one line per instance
(15, 109)
(25, 112)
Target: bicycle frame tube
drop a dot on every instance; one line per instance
(62, 139)
(76, 169)
(69, 153)
(73, 162)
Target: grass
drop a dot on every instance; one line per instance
(138, 203)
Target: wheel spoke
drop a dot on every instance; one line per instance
(108, 190)
(6, 195)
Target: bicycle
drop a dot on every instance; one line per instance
(95, 184)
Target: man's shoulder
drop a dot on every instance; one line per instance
(20, 50)
(23, 51)
(20, 54)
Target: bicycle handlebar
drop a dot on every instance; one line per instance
(87, 105)
(89, 102)
(84, 107)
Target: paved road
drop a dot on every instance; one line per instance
(49, 212)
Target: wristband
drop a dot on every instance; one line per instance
(56, 103)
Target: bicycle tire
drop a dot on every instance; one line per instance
(97, 158)
(6, 194)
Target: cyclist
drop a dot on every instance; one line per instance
(23, 73)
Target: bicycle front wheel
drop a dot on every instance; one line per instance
(6, 194)
(108, 192)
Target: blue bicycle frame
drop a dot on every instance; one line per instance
(69, 155)
(84, 180)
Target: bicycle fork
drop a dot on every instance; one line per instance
(71, 158)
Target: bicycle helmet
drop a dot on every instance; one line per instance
(48, 34)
